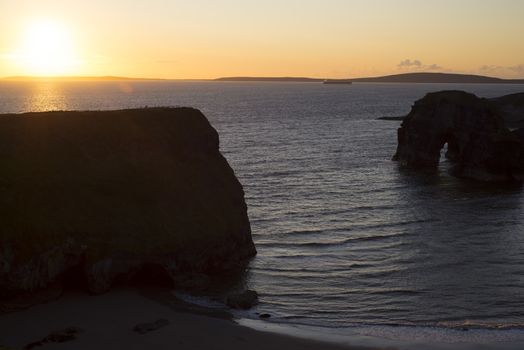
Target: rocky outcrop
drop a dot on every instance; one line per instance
(242, 301)
(62, 336)
(144, 328)
(97, 197)
(479, 143)
(511, 108)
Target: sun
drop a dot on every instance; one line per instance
(47, 48)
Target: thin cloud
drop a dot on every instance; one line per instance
(417, 65)
(434, 67)
(491, 69)
(517, 69)
(407, 63)
(507, 71)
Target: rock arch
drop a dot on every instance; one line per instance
(478, 141)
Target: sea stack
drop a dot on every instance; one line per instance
(479, 143)
(511, 107)
(112, 195)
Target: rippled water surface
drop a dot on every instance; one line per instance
(344, 236)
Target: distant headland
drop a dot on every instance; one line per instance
(443, 78)
(428, 78)
(273, 79)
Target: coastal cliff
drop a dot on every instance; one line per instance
(115, 195)
(479, 143)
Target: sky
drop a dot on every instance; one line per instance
(200, 39)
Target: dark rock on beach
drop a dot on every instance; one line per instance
(242, 301)
(27, 299)
(61, 336)
(99, 197)
(144, 328)
(479, 143)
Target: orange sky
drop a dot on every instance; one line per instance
(213, 38)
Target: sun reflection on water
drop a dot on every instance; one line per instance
(46, 96)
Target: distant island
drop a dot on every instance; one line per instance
(273, 79)
(443, 78)
(288, 80)
(447, 78)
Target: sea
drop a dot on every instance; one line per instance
(347, 241)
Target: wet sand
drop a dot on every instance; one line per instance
(108, 322)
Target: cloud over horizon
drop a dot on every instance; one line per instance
(516, 71)
(409, 63)
(417, 65)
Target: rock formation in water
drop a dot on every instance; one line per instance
(479, 143)
(105, 196)
(511, 108)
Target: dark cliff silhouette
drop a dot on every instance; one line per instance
(110, 195)
(479, 143)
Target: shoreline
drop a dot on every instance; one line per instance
(461, 336)
(399, 337)
(108, 321)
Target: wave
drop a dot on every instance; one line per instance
(346, 229)
(337, 243)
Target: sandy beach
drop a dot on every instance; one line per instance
(109, 321)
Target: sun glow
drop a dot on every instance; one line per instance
(47, 48)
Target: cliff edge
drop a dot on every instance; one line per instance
(111, 195)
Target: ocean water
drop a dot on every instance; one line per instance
(345, 238)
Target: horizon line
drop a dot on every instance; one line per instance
(116, 77)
